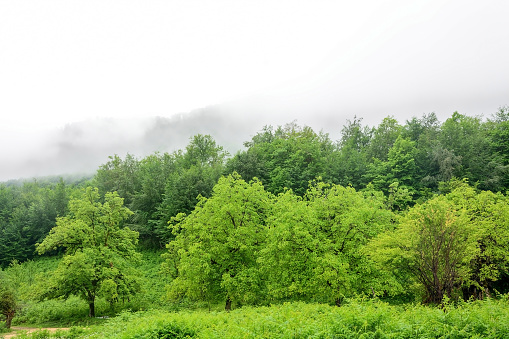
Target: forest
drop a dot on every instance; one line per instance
(395, 230)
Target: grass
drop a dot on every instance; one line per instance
(356, 319)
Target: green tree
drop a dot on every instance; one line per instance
(99, 254)
(286, 158)
(213, 257)
(345, 221)
(434, 162)
(489, 213)
(397, 174)
(352, 160)
(313, 244)
(434, 245)
(291, 250)
(154, 172)
(203, 151)
(119, 175)
(383, 138)
(443, 166)
(498, 132)
(8, 304)
(468, 138)
(196, 172)
(27, 213)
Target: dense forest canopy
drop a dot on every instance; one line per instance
(296, 215)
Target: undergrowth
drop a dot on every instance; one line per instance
(356, 319)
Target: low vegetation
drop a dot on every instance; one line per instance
(355, 319)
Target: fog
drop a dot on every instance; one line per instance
(81, 147)
(80, 81)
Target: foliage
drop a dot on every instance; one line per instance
(351, 163)
(312, 246)
(27, 213)
(159, 186)
(213, 256)
(154, 173)
(345, 221)
(290, 250)
(383, 138)
(498, 132)
(355, 319)
(397, 172)
(119, 175)
(489, 214)
(434, 244)
(285, 158)
(8, 302)
(99, 254)
(28, 280)
(468, 138)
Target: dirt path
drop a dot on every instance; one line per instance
(17, 329)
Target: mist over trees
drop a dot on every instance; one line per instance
(416, 209)
(80, 147)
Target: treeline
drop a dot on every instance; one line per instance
(406, 162)
(395, 165)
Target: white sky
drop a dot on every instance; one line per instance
(66, 61)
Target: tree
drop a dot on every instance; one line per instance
(99, 254)
(27, 213)
(345, 221)
(119, 175)
(398, 172)
(498, 131)
(434, 163)
(313, 243)
(291, 250)
(468, 138)
(288, 157)
(203, 151)
(352, 159)
(213, 256)
(154, 172)
(434, 244)
(197, 171)
(8, 304)
(489, 213)
(383, 138)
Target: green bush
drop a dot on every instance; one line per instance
(168, 331)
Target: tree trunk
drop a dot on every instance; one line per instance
(228, 305)
(91, 303)
(91, 309)
(8, 320)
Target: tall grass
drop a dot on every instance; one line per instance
(358, 319)
(355, 319)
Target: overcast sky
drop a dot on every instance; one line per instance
(67, 61)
